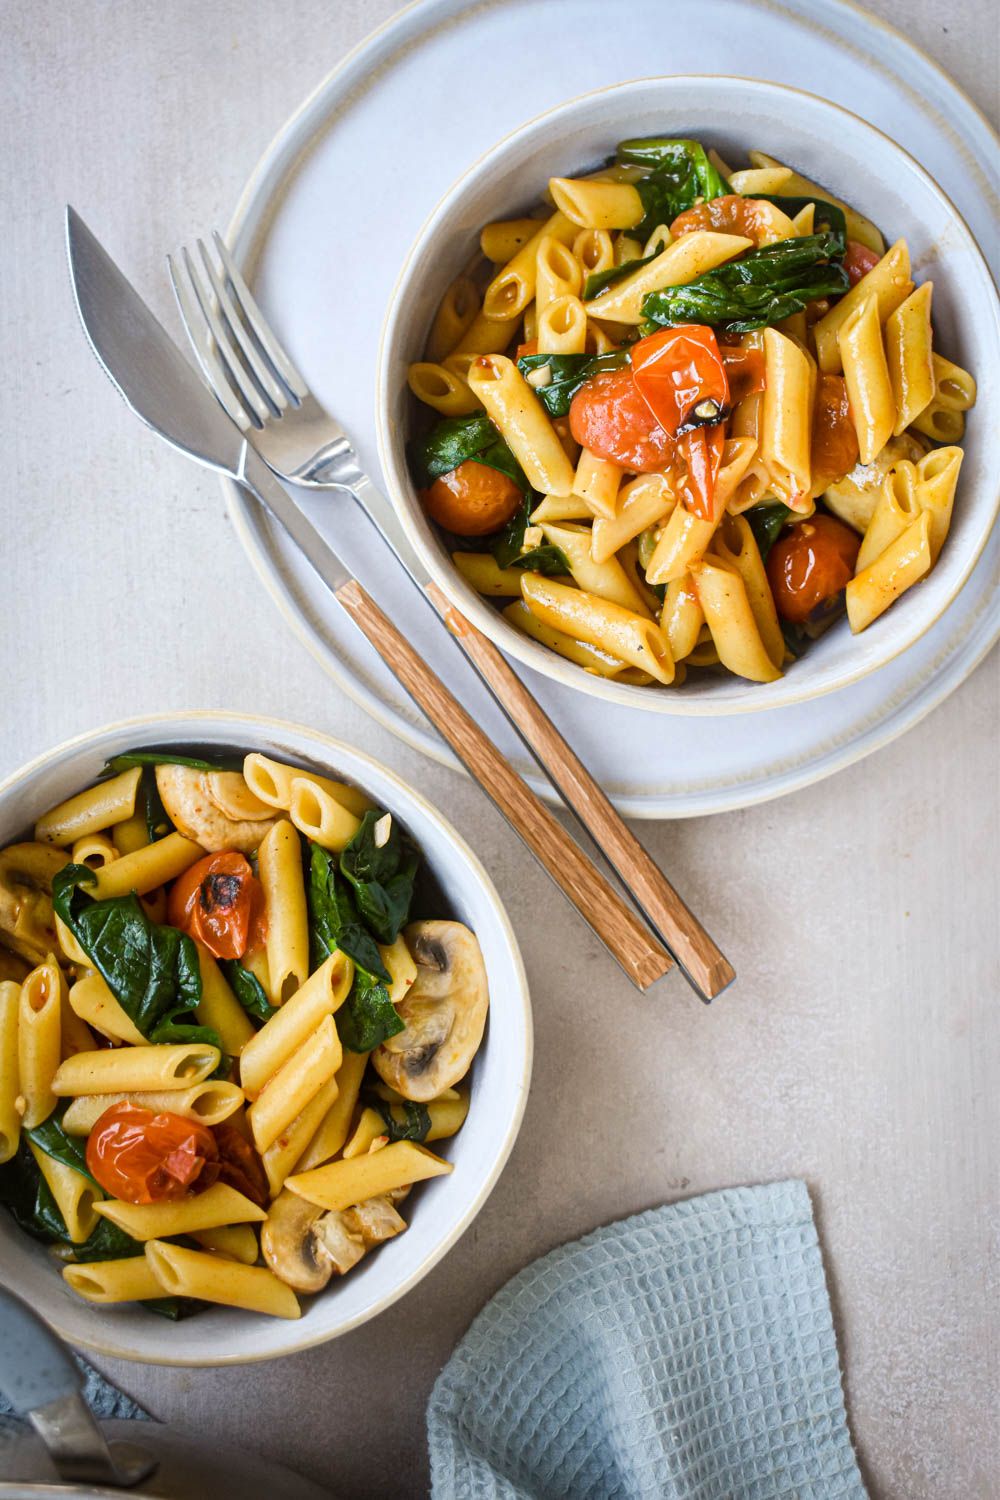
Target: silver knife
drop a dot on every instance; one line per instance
(168, 394)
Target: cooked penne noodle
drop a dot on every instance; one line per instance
(237, 1241)
(10, 1119)
(109, 1281)
(682, 617)
(333, 1129)
(320, 816)
(736, 545)
(219, 1008)
(74, 1033)
(441, 389)
(896, 510)
(216, 1206)
(92, 1001)
(286, 1150)
(458, 308)
(594, 250)
(586, 617)
(486, 336)
(561, 508)
(210, 1102)
(657, 241)
(131, 834)
(607, 580)
(289, 1028)
(786, 417)
(730, 618)
(597, 481)
(641, 503)
(690, 256)
(145, 869)
(447, 1116)
(936, 480)
(558, 273)
(501, 241)
(93, 849)
(900, 566)
(279, 866)
(866, 374)
(888, 282)
(134, 1069)
(97, 808)
(300, 1077)
(510, 291)
(484, 573)
(796, 186)
(39, 1042)
(401, 967)
(523, 422)
(954, 393)
(760, 180)
(74, 1194)
(737, 456)
(591, 658)
(69, 948)
(271, 781)
(684, 540)
(940, 423)
(597, 205)
(908, 355)
(193, 1273)
(369, 1134)
(562, 326)
(341, 1184)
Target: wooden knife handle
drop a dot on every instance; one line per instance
(708, 968)
(616, 924)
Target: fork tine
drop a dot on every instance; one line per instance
(211, 366)
(258, 323)
(238, 376)
(274, 392)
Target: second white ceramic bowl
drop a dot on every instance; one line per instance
(823, 142)
(500, 1074)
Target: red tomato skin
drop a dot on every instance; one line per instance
(701, 450)
(142, 1157)
(744, 371)
(810, 564)
(834, 441)
(609, 416)
(730, 214)
(677, 368)
(858, 261)
(472, 500)
(524, 350)
(220, 902)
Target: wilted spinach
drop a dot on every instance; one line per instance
(382, 874)
(368, 1016)
(415, 1124)
(333, 917)
(508, 553)
(766, 521)
(679, 174)
(454, 440)
(247, 988)
(51, 1138)
(568, 372)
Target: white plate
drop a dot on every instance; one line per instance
(328, 218)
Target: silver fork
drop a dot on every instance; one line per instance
(265, 395)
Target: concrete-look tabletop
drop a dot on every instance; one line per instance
(859, 1048)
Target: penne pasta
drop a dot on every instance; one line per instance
(99, 807)
(210, 1102)
(10, 1119)
(607, 580)
(92, 1002)
(289, 1028)
(135, 1069)
(75, 1195)
(908, 355)
(237, 1241)
(219, 1008)
(501, 241)
(594, 250)
(110, 1281)
(145, 869)
(683, 541)
(216, 1206)
(888, 282)
(279, 866)
(620, 632)
(866, 375)
(286, 1150)
(591, 658)
(736, 546)
(341, 1184)
(510, 291)
(795, 185)
(730, 618)
(558, 274)
(597, 481)
(690, 256)
(39, 1042)
(93, 849)
(288, 1091)
(483, 572)
(193, 1273)
(523, 422)
(786, 417)
(271, 781)
(441, 388)
(369, 1135)
(682, 617)
(458, 309)
(562, 326)
(895, 511)
(131, 834)
(898, 568)
(597, 205)
(320, 816)
(936, 481)
(642, 503)
(334, 1127)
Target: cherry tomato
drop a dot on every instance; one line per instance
(809, 564)
(858, 261)
(142, 1157)
(523, 350)
(834, 439)
(220, 902)
(679, 371)
(744, 371)
(239, 1165)
(472, 500)
(732, 214)
(701, 451)
(609, 416)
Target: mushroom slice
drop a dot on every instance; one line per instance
(854, 497)
(27, 921)
(186, 794)
(444, 1013)
(234, 799)
(304, 1246)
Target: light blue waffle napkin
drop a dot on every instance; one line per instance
(104, 1399)
(687, 1353)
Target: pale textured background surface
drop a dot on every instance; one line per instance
(859, 1050)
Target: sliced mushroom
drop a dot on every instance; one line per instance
(444, 1011)
(234, 799)
(27, 921)
(304, 1246)
(854, 497)
(187, 796)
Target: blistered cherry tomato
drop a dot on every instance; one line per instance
(858, 261)
(609, 416)
(681, 376)
(239, 1165)
(472, 500)
(744, 371)
(220, 902)
(732, 214)
(523, 350)
(834, 439)
(700, 452)
(142, 1157)
(809, 564)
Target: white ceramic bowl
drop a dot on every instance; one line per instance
(500, 1074)
(825, 143)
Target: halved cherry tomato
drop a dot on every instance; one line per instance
(239, 1165)
(523, 350)
(220, 902)
(472, 500)
(858, 261)
(701, 451)
(744, 371)
(809, 564)
(609, 416)
(834, 439)
(677, 371)
(142, 1157)
(732, 214)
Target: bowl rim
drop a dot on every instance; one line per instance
(522, 998)
(531, 653)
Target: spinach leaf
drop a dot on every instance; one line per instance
(174, 1308)
(367, 1017)
(508, 554)
(598, 280)
(828, 218)
(568, 372)
(456, 439)
(415, 1124)
(679, 174)
(24, 1191)
(333, 918)
(51, 1138)
(766, 521)
(158, 823)
(108, 1242)
(151, 970)
(763, 287)
(382, 874)
(248, 989)
(132, 758)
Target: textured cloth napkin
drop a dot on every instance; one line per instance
(104, 1399)
(687, 1353)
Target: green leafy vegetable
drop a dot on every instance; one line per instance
(413, 1126)
(679, 174)
(766, 521)
(828, 217)
(367, 1017)
(567, 373)
(333, 918)
(597, 281)
(763, 287)
(507, 548)
(51, 1138)
(26, 1194)
(248, 989)
(132, 758)
(454, 440)
(382, 873)
(108, 1242)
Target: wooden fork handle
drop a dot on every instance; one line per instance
(706, 966)
(615, 923)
